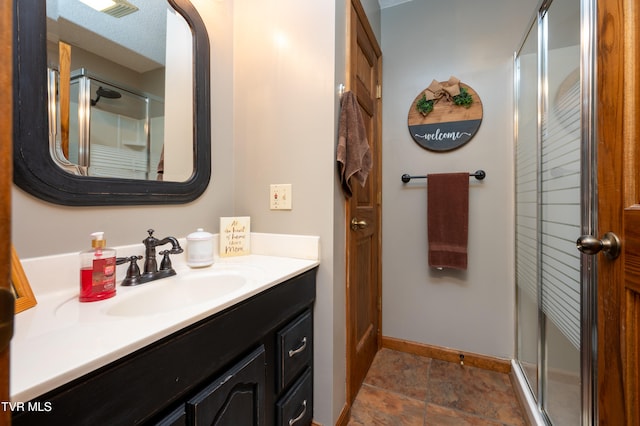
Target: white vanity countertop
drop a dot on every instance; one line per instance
(61, 339)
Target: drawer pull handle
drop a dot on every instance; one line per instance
(301, 415)
(293, 352)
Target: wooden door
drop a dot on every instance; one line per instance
(618, 124)
(363, 241)
(6, 175)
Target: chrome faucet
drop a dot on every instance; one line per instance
(151, 271)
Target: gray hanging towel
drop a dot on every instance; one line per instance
(448, 219)
(353, 153)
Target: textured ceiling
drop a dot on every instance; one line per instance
(136, 41)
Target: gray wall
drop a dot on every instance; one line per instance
(285, 105)
(474, 41)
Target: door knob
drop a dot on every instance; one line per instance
(609, 244)
(358, 224)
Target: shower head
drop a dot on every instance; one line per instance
(105, 93)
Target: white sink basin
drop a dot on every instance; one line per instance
(156, 297)
(178, 294)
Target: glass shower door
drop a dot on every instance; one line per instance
(553, 192)
(561, 218)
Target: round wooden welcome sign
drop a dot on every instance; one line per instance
(445, 116)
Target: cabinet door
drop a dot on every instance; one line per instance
(236, 397)
(177, 418)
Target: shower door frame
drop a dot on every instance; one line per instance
(589, 208)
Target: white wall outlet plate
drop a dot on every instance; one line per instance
(280, 196)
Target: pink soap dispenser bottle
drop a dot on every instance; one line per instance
(97, 270)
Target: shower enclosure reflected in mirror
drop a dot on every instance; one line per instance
(107, 111)
(110, 131)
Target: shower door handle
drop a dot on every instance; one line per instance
(609, 244)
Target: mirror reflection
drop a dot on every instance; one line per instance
(108, 89)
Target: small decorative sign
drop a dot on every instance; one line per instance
(445, 116)
(235, 236)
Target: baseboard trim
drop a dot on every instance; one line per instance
(345, 414)
(447, 354)
(343, 419)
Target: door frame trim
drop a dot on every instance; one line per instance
(6, 178)
(618, 40)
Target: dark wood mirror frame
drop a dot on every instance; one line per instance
(34, 170)
(25, 298)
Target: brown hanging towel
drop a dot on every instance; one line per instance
(353, 153)
(448, 219)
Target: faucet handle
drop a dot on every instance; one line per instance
(133, 271)
(165, 264)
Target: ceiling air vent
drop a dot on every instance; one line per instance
(120, 8)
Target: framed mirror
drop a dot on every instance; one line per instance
(111, 103)
(22, 292)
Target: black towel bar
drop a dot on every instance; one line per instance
(478, 174)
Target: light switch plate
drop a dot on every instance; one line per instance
(280, 196)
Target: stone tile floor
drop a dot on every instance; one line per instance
(405, 389)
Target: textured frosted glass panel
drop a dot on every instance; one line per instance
(560, 192)
(527, 168)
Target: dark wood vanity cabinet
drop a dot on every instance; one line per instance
(251, 364)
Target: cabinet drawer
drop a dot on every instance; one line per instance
(295, 349)
(295, 408)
